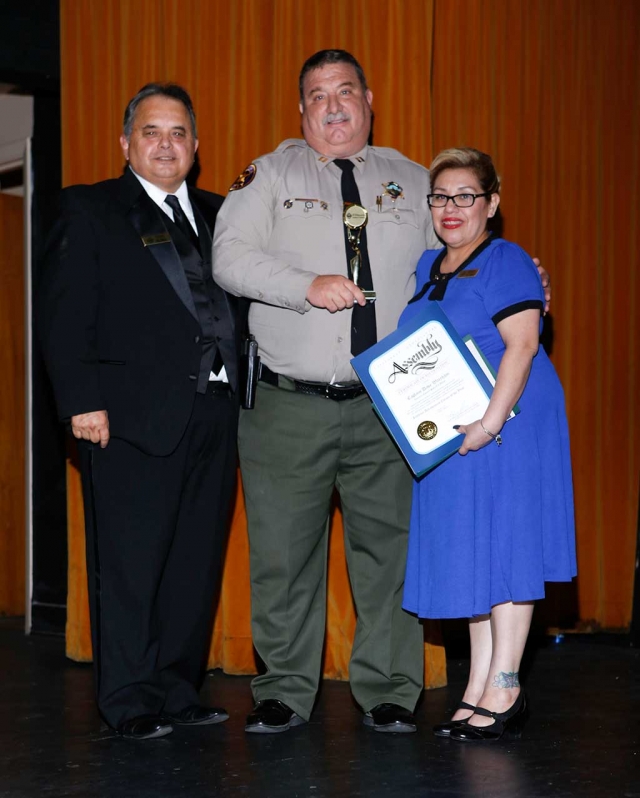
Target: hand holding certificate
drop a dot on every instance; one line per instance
(423, 379)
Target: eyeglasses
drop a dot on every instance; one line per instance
(460, 200)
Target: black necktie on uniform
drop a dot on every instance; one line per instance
(181, 221)
(363, 319)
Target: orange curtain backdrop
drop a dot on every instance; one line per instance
(12, 418)
(240, 62)
(552, 90)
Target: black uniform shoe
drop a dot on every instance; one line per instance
(197, 715)
(390, 718)
(145, 727)
(272, 716)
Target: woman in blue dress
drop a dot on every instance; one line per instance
(494, 522)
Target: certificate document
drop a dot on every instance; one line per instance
(423, 379)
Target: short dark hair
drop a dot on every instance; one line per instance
(324, 57)
(171, 90)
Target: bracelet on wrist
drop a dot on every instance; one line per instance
(496, 437)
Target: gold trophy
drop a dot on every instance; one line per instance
(355, 219)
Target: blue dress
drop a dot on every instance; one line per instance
(495, 525)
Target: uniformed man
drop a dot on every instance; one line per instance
(281, 240)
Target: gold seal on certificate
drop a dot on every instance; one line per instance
(355, 218)
(426, 382)
(427, 430)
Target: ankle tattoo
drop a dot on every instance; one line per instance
(503, 679)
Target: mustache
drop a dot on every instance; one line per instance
(339, 117)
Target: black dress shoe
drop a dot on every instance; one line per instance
(444, 729)
(390, 718)
(145, 727)
(272, 716)
(507, 723)
(197, 715)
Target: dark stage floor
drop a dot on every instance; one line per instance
(583, 738)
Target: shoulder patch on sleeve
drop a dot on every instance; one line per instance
(244, 178)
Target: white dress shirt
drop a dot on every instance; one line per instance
(158, 196)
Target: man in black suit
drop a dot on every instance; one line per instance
(142, 347)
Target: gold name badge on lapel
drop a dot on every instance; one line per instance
(160, 238)
(467, 273)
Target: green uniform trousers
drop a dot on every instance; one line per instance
(294, 450)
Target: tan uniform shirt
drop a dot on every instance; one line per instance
(276, 234)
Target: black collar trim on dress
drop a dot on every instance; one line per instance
(441, 281)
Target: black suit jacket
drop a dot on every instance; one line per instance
(115, 314)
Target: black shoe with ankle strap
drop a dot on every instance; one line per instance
(445, 729)
(507, 723)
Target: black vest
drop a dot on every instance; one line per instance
(209, 299)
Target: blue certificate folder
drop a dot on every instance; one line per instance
(422, 379)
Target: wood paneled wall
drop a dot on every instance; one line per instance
(12, 408)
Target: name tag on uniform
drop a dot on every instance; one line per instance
(160, 238)
(467, 273)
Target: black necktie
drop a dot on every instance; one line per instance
(181, 221)
(363, 319)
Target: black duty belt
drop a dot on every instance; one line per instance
(336, 392)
